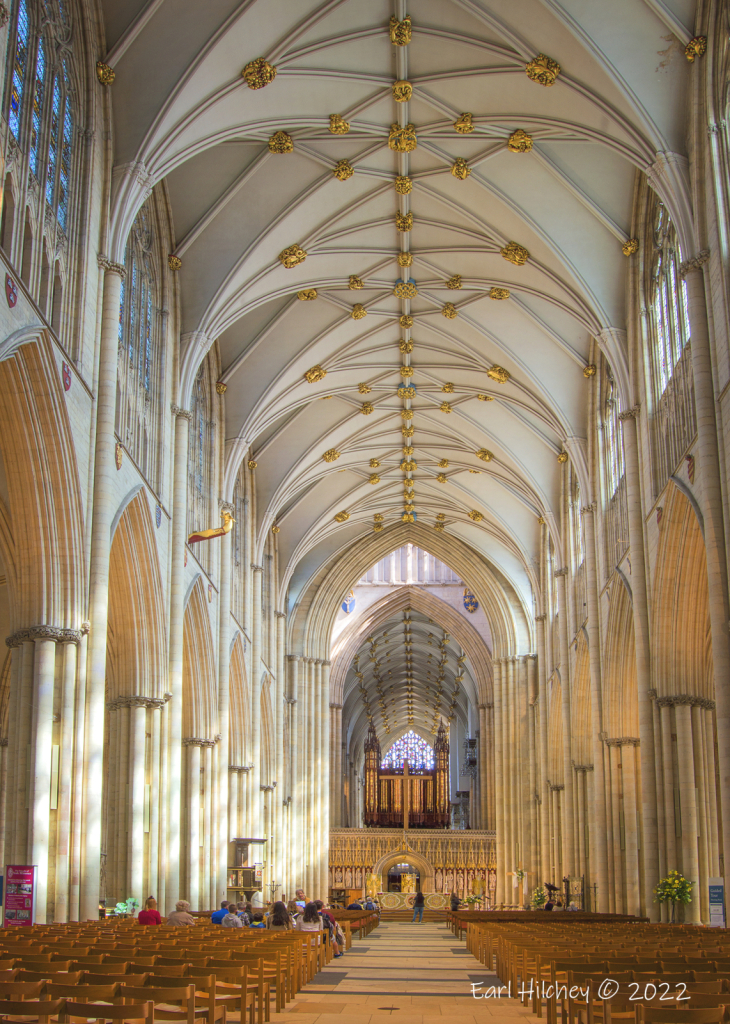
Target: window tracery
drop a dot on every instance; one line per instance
(138, 370)
(201, 453)
(41, 111)
(412, 748)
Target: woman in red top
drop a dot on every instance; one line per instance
(150, 914)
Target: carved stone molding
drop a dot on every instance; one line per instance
(113, 268)
(685, 699)
(541, 618)
(560, 572)
(630, 414)
(55, 633)
(557, 787)
(239, 767)
(226, 506)
(622, 741)
(3, 741)
(269, 788)
(335, 707)
(694, 262)
(197, 741)
(137, 701)
(280, 615)
(257, 568)
(591, 508)
(184, 414)
(290, 700)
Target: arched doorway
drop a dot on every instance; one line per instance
(413, 861)
(403, 877)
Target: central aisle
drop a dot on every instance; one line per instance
(415, 972)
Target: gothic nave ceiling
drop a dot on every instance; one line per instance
(470, 382)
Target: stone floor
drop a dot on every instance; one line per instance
(417, 973)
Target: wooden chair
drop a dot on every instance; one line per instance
(102, 1012)
(85, 993)
(22, 989)
(40, 1010)
(205, 993)
(92, 978)
(122, 968)
(165, 999)
(666, 1015)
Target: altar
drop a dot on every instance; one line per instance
(404, 900)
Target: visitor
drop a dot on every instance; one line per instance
(419, 903)
(559, 905)
(293, 908)
(257, 899)
(218, 915)
(454, 902)
(150, 914)
(232, 920)
(279, 919)
(309, 921)
(355, 906)
(329, 924)
(181, 914)
(550, 905)
(258, 920)
(243, 915)
(300, 898)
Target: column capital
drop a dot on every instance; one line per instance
(280, 615)
(630, 414)
(582, 767)
(541, 618)
(198, 741)
(226, 506)
(590, 508)
(257, 568)
(694, 262)
(239, 767)
(183, 414)
(111, 267)
(560, 572)
(556, 787)
(137, 701)
(335, 707)
(680, 699)
(294, 657)
(55, 633)
(268, 789)
(622, 741)
(290, 700)
(3, 741)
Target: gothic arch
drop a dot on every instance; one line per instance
(136, 639)
(313, 617)
(406, 856)
(620, 703)
(199, 668)
(681, 616)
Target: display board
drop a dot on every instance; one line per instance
(20, 894)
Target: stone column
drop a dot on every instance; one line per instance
(295, 742)
(233, 797)
(698, 745)
(649, 837)
(659, 777)
(484, 752)
(155, 723)
(568, 854)
(193, 745)
(670, 822)
(65, 779)
(173, 851)
(40, 767)
(499, 783)
(542, 709)
(712, 509)
(325, 769)
(597, 814)
(136, 779)
(220, 868)
(104, 505)
(336, 763)
(256, 599)
(279, 795)
(688, 803)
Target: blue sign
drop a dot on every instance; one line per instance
(348, 605)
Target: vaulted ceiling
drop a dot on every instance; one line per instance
(493, 339)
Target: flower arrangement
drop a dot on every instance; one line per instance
(471, 900)
(127, 908)
(538, 899)
(674, 889)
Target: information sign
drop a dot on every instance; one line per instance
(717, 902)
(20, 893)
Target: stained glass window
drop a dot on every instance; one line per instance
(53, 142)
(669, 298)
(410, 748)
(613, 439)
(37, 118)
(20, 70)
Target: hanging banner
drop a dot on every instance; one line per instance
(20, 893)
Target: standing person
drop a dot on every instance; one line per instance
(310, 921)
(418, 904)
(232, 920)
(218, 915)
(181, 914)
(279, 919)
(455, 901)
(300, 898)
(150, 914)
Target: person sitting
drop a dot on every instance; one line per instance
(419, 902)
(355, 906)
(181, 915)
(279, 919)
(150, 914)
(550, 904)
(258, 920)
(218, 915)
(454, 902)
(243, 914)
(309, 921)
(232, 920)
(294, 909)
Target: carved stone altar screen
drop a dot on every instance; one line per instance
(407, 797)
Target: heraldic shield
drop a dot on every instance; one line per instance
(470, 602)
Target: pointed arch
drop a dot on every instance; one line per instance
(620, 704)
(199, 668)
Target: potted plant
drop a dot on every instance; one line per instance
(674, 889)
(127, 908)
(539, 898)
